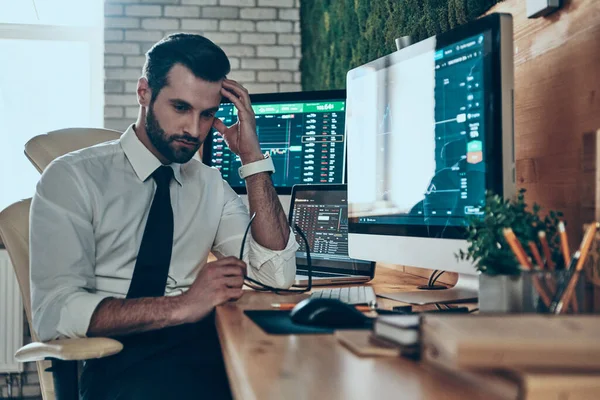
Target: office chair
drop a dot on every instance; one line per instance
(43, 149)
(61, 380)
(56, 359)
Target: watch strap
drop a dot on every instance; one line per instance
(265, 165)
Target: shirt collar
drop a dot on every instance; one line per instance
(142, 160)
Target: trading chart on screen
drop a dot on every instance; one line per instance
(305, 141)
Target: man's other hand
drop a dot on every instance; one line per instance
(218, 282)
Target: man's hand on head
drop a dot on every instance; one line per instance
(240, 137)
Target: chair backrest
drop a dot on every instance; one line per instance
(14, 231)
(43, 149)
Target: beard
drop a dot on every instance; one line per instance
(164, 143)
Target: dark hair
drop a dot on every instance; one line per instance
(205, 59)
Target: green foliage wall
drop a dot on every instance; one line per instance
(338, 35)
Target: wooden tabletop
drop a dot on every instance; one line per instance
(262, 366)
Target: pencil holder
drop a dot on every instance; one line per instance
(529, 292)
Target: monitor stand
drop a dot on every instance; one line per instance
(465, 290)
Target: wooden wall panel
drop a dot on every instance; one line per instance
(557, 103)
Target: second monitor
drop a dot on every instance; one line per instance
(429, 132)
(303, 132)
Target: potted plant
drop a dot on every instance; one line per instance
(501, 284)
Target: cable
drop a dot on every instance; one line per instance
(261, 287)
(433, 277)
(436, 278)
(473, 310)
(430, 283)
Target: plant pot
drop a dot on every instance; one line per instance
(505, 294)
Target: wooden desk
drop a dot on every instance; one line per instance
(262, 366)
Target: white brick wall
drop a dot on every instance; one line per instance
(26, 384)
(261, 38)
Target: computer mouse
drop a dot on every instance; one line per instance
(329, 313)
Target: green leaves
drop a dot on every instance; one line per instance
(338, 35)
(487, 246)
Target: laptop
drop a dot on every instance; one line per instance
(321, 211)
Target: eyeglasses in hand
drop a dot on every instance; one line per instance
(259, 286)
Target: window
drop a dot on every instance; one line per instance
(51, 77)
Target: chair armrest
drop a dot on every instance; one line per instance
(69, 349)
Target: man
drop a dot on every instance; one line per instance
(121, 232)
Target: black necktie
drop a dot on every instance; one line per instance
(153, 260)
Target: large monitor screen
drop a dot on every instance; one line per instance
(422, 144)
(303, 132)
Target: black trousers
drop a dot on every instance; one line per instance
(182, 362)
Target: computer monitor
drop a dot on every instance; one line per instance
(303, 132)
(321, 212)
(430, 129)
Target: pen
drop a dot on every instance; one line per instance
(564, 243)
(546, 249)
(585, 248)
(290, 306)
(562, 285)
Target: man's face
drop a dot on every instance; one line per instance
(181, 116)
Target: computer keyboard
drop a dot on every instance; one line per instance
(350, 295)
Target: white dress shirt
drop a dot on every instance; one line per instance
(87, 220)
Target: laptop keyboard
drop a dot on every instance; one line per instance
(349, 295)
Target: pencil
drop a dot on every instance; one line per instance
(537, 282)
(536, 254)
(290, 306)
(519, 252)
(586, 243)
(562, 284)
(546, 249)
(564, 243)
(516, 247)
(567, 293)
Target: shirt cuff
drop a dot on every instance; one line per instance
(76, 314)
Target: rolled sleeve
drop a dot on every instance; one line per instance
(62, 254)
(76, 313)
(275, 268)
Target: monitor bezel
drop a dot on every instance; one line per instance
(493, 132)
(280, 97)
